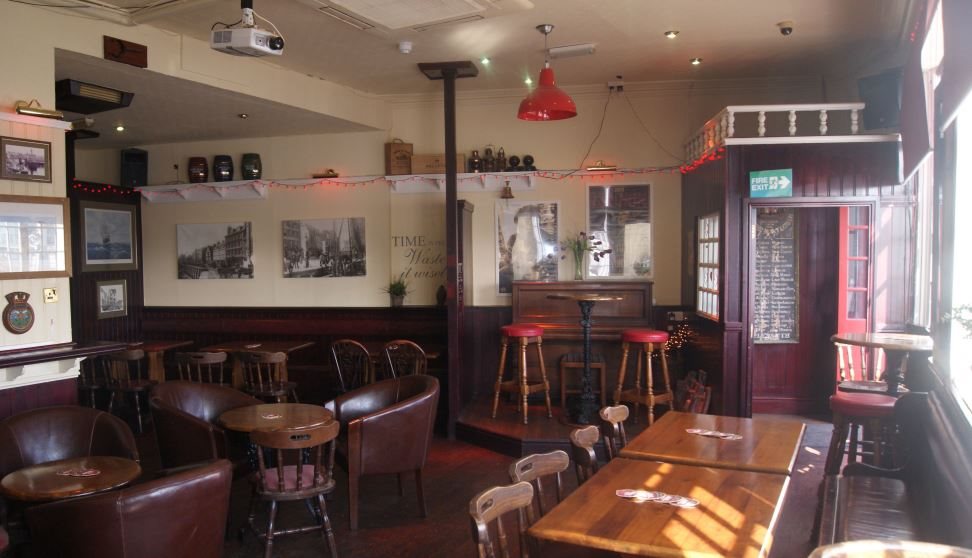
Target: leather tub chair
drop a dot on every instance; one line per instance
(185, 416)
(386, 427)
(178, 516)
(53, 433)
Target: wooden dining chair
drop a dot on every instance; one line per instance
(534, 468)
(352, 364)
(92, 383)
(310, 477)
(486, 510)
(127, 379)
(201, 367)
(582, 442)
(404, 358)
(612, 429)
(861, 369)
(263, 376)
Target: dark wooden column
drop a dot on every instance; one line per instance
(448, 72)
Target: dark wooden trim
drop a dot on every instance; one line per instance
(50, 353)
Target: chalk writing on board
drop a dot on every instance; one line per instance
(776, 288)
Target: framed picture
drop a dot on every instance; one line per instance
(112, 298)
(620, 217)
(324, 248)
(526, 241)
(25, 159)
(109, 236)
(215, 250)
(35, 237)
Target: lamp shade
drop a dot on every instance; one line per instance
(547, 101)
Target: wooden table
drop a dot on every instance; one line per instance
(275, 415)
(767, 446)
(40, 483)
(261, 346)
(735, 517)
(154, 352)
(896, 347)
(586, 411)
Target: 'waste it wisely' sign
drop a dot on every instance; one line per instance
(771, 183)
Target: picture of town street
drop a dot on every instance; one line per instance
(215, 251)
(324, 248)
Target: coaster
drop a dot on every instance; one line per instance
(252, 346)
(271, 416)
(683, 502)
(79, 472)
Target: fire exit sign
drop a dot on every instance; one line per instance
(771, 183)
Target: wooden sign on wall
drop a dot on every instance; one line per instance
(126, 52)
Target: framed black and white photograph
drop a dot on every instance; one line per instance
(112, 298)
(526, 240)
(215, 250)
(324, 248)
(35, 237)
(110, 239)
(620, 218)
(25, 159)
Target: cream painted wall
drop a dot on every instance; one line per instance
(669, 111)
(52, 322)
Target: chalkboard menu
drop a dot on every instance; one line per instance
(775, 311)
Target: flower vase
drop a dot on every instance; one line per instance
(397, 301)
(579, 268)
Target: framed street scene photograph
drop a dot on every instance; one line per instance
(25, 159)
(526, 241)
(215, 250)
(35, 237)
(110, 239)
(112, 298)
(324, 248)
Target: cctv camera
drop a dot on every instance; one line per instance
(786, 27)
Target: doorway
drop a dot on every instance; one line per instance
(810, 269)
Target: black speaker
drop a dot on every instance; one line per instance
(134, 168)
(881, 94)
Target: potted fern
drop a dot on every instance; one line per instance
(397, 289)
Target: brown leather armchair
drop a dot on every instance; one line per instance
(53, 433)
(185, 416)
(178, 516)
(386, 427)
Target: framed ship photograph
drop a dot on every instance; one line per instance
(110, 239)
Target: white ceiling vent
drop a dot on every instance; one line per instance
(345, 18)
(399, 14)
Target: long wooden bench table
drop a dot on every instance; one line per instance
(735, 516)
(767, 445)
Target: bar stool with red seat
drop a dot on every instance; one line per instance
(525, 334)
(871, 410)
(649, 339)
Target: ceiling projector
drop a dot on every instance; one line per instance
(246, 41)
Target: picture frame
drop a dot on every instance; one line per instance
(214, 250)
(534, 260)
(110, 238)
(23, 159)
(621, 217)
(112, 301)
(324, 248)
(46, 223)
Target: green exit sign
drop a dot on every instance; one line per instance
(771, 183)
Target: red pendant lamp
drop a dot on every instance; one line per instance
(546, 101)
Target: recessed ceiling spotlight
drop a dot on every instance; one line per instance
(696, 61)
(119, 128)
(485, 61)
(528, 81)
(671, 34)
(243, 115)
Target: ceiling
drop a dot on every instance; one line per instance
(735, 39)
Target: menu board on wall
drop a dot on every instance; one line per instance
(775, 281)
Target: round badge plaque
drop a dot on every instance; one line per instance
(18, 315)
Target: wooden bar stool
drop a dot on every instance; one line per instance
(524, 334)
(872, 411)
(649, 339)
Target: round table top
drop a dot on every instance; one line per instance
(275, 416)
(887, 341)
(889, 549)
(584, 297)
(67, 478)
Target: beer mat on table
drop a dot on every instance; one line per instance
(271, 416)
(252, 346)
(79, 472)
(713, 434)
(658, 497)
